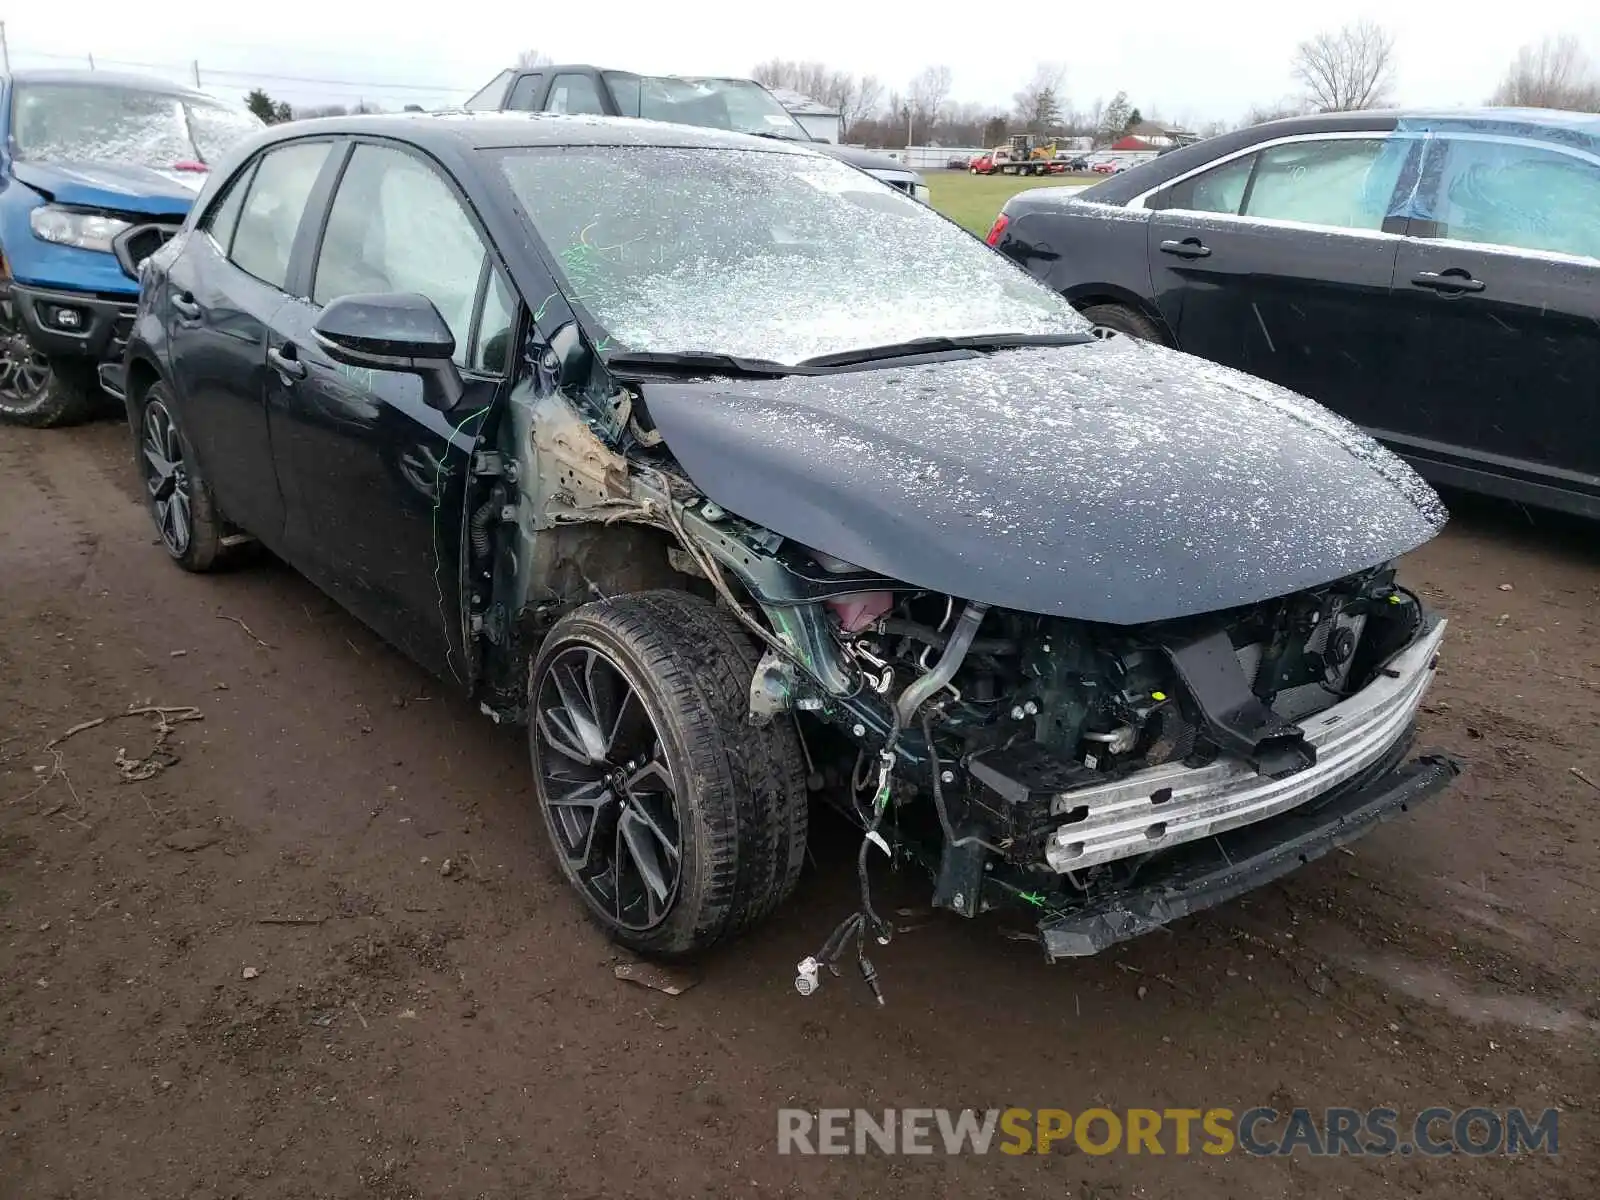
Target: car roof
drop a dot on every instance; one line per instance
(1534, 123)
(496, 130)
(122, 79)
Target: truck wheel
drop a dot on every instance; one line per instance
(38, 392)
(1112, 319)
(181, 503)
(677, 821)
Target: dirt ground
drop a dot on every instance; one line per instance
(408, 1032)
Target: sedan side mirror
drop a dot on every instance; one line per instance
(401, 331)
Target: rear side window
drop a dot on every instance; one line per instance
(525, 93)
(1346, 182)
(264, 236)
(396, 226)
(1519, 196)
(220, 220)
(574, 94)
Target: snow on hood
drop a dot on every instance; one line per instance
(1117, 482)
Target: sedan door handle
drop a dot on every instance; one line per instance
(286, 363)
(1188, 248)
(1450, 282)
(185, 307)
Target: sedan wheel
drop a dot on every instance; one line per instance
(181, 503)
(677, 821)
(166, 479)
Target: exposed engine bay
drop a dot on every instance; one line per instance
(1022, 759)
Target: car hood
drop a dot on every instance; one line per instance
(866, 160)
(120, 187)
(1116, 481)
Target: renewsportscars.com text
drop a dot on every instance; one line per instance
(1260, 1132)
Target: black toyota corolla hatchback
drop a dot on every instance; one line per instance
(737, 476)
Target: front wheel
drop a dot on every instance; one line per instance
(677, 822)
(40, 392)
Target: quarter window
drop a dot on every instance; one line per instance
(267, 223)
(219, 222)
(396, 226)
(495, 328)
(1345, 182)
(1520, 196)
(574, 94)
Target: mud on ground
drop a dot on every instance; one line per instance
(413, 1032)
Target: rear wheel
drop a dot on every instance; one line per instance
(181, 503)
(677, 822)
(1109, 320)
(39, 392)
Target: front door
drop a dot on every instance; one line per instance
(1279, 262)
(1501, 282)
(380, 478)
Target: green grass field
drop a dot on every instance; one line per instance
(975, 200)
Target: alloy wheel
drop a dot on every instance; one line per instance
(608, 789)
(24, 373)
(167, 478)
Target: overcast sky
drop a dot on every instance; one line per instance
(1185, 59)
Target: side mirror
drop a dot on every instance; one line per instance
(394, 332)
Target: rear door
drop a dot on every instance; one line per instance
(1279, 261)
(380, 476)
(1501, 282)
(226, 287)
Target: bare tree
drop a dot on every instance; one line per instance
(1352, 68)
(930, 91)
(1553, 74)
(1041, 104)
(533, 58)
(854, 99)
(1289, 106)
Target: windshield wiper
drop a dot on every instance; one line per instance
(936, 345)
(696, 362)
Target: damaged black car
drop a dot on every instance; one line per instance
(743, 480)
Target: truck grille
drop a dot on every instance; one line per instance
(133, 246)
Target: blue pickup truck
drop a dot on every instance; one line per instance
(96, 172)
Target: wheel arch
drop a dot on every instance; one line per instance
(1088, 295)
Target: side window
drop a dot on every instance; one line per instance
(1520, 196)
(1219, 190)
(395, 226)
(271, 214)
(525, 93)
(496, 327)
(574, 94)
(1345, 182)
(223, 215)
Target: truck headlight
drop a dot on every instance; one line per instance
(69, 227)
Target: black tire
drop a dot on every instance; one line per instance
(177, 491)
(44, 393)
(735, 794)
(1119, 318)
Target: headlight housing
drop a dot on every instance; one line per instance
(72, 227)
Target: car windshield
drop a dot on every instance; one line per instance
(778, 256)
(91, 122)
(741, 105)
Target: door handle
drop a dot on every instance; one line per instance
(1188, 248)
(286, 362)
(183, 304)
(1451, 282)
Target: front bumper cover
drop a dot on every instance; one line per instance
(100, 337)
(1206, 873)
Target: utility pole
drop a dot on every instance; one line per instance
(91, 60)
(5, 50)
(196, 65)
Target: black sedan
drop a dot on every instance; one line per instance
(1432, 276)
(737, 475)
